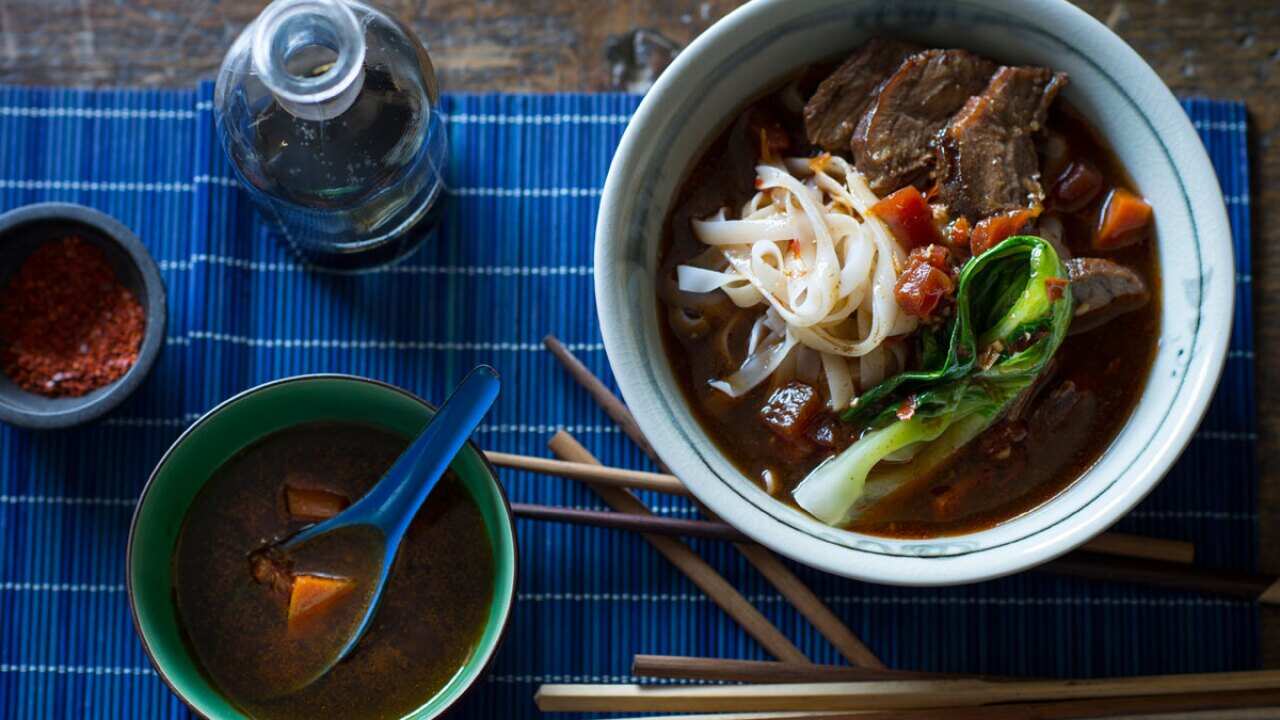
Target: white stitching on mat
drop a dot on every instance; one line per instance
(96, 185)
(465, 191)
(60, 587)
(65, 500)
(76, 669)
(465, 270)
(107, 113)
(524, 192)
(1224, 435)
(550, 119)
(446, 345)
(1225, 126)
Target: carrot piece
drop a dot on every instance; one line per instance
(312, 595)
(313, 505)
(994, 230)
(920, 288)
(908, 217)
(1123, 216)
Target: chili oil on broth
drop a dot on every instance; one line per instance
(431, 615)
(1108, 365)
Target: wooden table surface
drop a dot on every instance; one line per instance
(1223, 50)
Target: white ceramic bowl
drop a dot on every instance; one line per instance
(755, 48)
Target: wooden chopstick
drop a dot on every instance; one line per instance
(1139, 546)
(1111, 707)
(677, 667)
(801, 597)
(1174, 576)
(1088, 565)
(610, 403)
(595, 474)
(635, 522)
(1118, 544)
(883, 695)
(721, 592)
(784, 715)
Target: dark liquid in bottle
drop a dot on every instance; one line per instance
(344, 192)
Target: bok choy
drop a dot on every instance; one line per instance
(1012, 310)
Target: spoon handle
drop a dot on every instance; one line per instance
(394, 501)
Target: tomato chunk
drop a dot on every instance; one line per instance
(1124, 216)
(1076, 186)
(908, 217)
(312, 595)
(313, 505)
(925, 282)
(994, 230)
(936, 255)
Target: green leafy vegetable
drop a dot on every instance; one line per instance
(1005, 329)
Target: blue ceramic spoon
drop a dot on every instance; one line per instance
(393, 502)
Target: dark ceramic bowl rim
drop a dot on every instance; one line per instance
(485, 667)
(112, 230)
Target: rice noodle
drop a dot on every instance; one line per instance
(807, 246)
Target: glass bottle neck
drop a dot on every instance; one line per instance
(310, 55)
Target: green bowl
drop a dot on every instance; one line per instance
(239, 422)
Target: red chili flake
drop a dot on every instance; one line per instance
(907, 409)
(67, 325)
(1055, 288)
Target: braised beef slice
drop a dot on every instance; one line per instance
(893, 143)
(1103, 289)
(987, 160)
(833, 112)
(790, 410)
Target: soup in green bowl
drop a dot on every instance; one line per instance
(222, 629)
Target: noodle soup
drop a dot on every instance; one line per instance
(885, 328)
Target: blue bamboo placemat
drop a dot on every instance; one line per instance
(513, 263)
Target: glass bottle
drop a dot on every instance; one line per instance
(328, 110)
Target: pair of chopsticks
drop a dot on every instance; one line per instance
(917, 699)
(793, 687)
(902, 695)
(1110, 556)
(717, 588)
(1120, 544)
